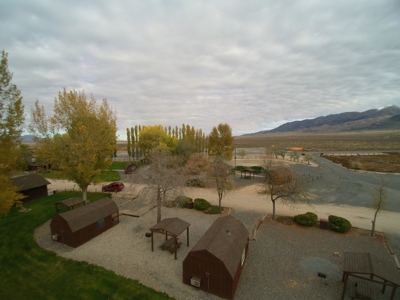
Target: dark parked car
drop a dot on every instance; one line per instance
(113, 187)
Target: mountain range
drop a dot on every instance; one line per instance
(387, 118)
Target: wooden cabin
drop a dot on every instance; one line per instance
(32, 186)
(76, 227)
(216, 262)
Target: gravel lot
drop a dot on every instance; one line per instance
(283, 262)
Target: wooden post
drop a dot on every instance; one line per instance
(152, 246)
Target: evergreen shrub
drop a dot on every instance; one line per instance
(307, 219)
(201, 204)
(339, 224)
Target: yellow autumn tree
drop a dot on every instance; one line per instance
(153, 136)
(11, 123)
(78, 141)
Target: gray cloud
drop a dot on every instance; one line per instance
(252, 64)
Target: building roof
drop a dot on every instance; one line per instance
(83, 216)
(27, 182)
(174, 226)
(225, 240)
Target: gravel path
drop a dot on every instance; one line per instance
(282, 262)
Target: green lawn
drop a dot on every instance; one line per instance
(105, 176)
(30, 272)
(118, 165)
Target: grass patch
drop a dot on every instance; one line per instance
(118, 165)
(388, 163)
(104, 177)
(30, 272)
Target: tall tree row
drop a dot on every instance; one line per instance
(189, 140)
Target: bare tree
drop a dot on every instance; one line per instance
(163, 177)
(281, 184)
(379, 199)
(308, 158)
(221, 173)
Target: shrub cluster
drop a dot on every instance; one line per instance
(307, 219)
(195, 182)
(339, 224)
(201, 204)
(180, 201)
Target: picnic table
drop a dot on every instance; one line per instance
(170, 245)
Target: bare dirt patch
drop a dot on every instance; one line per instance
(387, 163)
(346, 141)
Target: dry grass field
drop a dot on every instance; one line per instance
(388, 163)
(349, 141)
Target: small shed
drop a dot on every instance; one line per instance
(77, 226)
(32, 186)
(216, 262)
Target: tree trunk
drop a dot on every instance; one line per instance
(373, 224)
(84, 193)
(273, 209)
(158, 206)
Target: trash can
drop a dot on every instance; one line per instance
(189, 205)
(323, 224)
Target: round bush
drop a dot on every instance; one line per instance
(307, 219)
(201, 204)
(339, 224)
(182, 201)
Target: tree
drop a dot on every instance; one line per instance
(220, 141)
(197, 164)
(128, 146)
(242, 153)
(221, 173)
(78, 140)
(280, 184)
(379, 201)
(163, 173)
(308, 158)
(151, 137)
(11, 123)
(355, 165)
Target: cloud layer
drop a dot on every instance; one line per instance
(251, 64)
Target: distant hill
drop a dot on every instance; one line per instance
(387, 118)
(27, 138)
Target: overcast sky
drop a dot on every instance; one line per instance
(252, 64)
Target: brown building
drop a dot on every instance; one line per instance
(32, 186)
(77, 226)
(216, 262)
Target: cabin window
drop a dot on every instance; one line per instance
(100, 224)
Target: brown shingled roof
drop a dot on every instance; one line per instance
(27, 182)
(90, 213)
(225, 239)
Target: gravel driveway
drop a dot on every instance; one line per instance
(282, 262)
